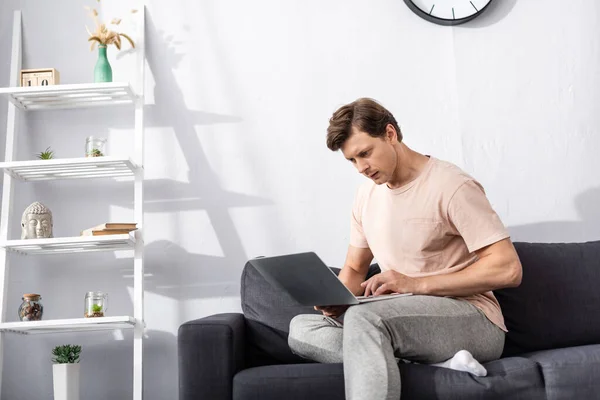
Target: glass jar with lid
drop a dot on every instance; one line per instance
(31, 309)
(95, 304)
(95, 146)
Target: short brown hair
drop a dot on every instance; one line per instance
(366, 115)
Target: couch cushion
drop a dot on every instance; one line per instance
(570, 373)
(268, 313)
(511, 378)
(558, 301)
(290, 382)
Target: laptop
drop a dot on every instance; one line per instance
(306, 278)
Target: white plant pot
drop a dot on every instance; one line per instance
(66, 381)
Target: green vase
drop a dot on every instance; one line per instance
(102, 71)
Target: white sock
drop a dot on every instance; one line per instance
(464, 361)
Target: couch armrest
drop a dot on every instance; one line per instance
(211, 352)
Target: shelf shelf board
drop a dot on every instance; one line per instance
(75, 244)
(68, 325)
(70, 96)
(70, 168)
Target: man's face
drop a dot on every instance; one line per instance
(373, 157)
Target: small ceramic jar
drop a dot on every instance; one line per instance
(31, 309)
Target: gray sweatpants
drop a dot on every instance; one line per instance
(424, 329)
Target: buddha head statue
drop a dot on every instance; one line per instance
(36, 222)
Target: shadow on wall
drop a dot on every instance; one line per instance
(175, 273)
(203, 190)
(496, 12)
(160, 352)
(587, 228)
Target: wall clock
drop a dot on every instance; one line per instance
(448, 12)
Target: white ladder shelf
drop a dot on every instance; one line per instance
(30, 99)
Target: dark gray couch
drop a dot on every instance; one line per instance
(552, 350)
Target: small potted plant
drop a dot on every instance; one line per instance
(65, 372)
(94, 146)
(46, 154)
(95, 304)
(97, 311)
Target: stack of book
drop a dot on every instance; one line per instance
(110, 228)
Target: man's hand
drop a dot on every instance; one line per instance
(332, 311)
(389, 282)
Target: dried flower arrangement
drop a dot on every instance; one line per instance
(105, 36)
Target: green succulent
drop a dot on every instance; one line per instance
(66, 354)
(96, 153)
(46, 155)
(96, 308)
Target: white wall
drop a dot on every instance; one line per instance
(239, 94)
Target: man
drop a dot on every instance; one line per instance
(434, 233)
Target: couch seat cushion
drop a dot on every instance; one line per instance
(290, 382)
(510, 378)
(570, 373)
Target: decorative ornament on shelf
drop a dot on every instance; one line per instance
(66, 372)
(46, 154)
(31, 309)
(36, 222)
(95, 146)
(105, 37)
(95, 305)
(40, 77)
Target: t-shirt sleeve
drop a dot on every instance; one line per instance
(357, 235)
(473, 217)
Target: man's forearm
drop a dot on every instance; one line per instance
(486, 274)
(352, 279)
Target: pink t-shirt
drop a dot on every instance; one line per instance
(430, 226)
